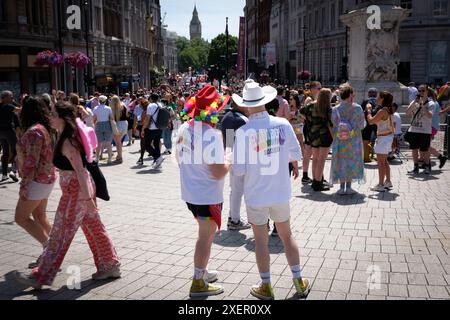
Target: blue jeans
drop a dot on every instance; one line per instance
(167, 137)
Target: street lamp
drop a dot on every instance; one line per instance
(87, 76)
(227, 53)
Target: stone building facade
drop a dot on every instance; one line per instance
(124, 44)
(309, 35)
(26, 28)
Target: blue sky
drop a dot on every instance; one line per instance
(212, 15)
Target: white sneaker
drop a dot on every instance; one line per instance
(211, 276)
(350, 192)
(378, 188)
(158, 162)
(4, 178)
(13, 176)
(388, 185)
(114, 273)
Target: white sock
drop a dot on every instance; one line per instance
(296, 271)
(265, 277)
(199, 273)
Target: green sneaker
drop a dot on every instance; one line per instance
(263, 292)
(303, 287)
(201, 288)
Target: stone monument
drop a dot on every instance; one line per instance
(374, 51)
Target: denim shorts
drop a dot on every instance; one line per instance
(104, 132)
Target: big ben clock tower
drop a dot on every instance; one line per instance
(196, 26)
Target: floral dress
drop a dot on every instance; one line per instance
(348, 156)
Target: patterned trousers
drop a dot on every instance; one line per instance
(70, 215)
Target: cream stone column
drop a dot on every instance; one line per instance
(374, 52)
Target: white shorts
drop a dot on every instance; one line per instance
(122, 126)
(383, 145)
(259, 216)
(39, 191)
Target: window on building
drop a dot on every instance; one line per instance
(293, 55)
(98, 18)
(333, 16)
(127, 28)
(2, 11)
(440, 8)
(324, 19)
(406, 4)
(438, 58)
(316, 21)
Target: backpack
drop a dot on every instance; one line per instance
(163, 119)
(344, 128)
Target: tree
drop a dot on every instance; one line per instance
(192, 54)
(218, 51)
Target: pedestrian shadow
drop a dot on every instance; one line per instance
(384, 196)
(11, 289)
(137, 167)
(423, 178)
(151, 171)
(275, 245)
(233, 239)
(348, 200)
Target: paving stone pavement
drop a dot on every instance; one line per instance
(398, 241)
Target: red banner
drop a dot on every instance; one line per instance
(241, 54)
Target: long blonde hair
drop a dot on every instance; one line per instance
(117, 107)
(323, 103)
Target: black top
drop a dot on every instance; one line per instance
(6, 117)
(233, 120)
(123, 116)
(62, 163)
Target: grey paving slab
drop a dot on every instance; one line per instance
(399, 241)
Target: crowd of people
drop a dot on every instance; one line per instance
(267, 136)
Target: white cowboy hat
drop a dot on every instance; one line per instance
(255, 96)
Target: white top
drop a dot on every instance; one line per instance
(138, 112)
(198, 146)
(89, 119)
(412, 92)
(421, 123)
(262, 152)
(102, 113)
(397, 124)
(152, 111)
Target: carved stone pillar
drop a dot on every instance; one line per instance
(374, 49)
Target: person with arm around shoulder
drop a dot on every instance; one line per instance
(202, 177)
(77, 208)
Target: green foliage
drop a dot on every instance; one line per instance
(192, 54)
(219, 48)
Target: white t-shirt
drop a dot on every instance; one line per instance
(89, 119)
(262, 152)
(138, 113)
(153, 111)
(421, 123)
(412, 92)
(398, 123)
(198, 146)
(102, 113)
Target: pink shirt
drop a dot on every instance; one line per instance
(35, 157)
(284, 111)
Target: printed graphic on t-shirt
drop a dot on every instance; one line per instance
(268, 141)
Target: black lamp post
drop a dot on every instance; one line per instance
(61, 43)
(87, 76)
(227, 53)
